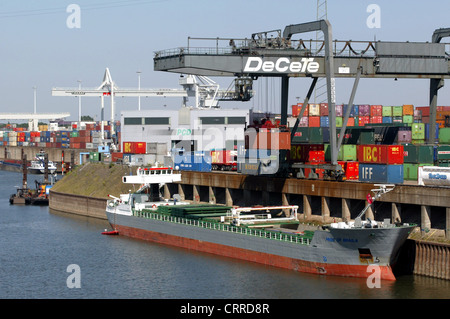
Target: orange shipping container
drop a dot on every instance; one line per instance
(408, 109)
(271, 140)
(440, 115)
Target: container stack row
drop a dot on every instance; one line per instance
(88, 138)
(317, 115)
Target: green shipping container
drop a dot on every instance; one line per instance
(411, 171)
(95, 156)
(444, 163)
(367, 138)
(418, 153)
(311, 135)
(418, 131)
(347, 152)
(339, 121)
(387, 111)
(397, 111)
(443, 152)
(444, 135)
(408, 119)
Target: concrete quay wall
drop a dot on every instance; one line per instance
(56, 155)
(78, 204)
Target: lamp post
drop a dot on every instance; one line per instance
(139, 88)
(79, 102)
(34, 89)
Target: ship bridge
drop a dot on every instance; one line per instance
(276, 54)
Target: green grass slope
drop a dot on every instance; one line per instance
(96, 180)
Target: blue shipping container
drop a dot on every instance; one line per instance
(324, 121)
(427, 132)
(353, 112)
(190, 162)
(387, 119)
(380, 173)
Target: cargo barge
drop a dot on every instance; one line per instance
(341, 249)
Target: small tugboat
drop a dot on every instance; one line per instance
(27, 196)
(37, 165)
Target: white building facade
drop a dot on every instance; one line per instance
(191, 129)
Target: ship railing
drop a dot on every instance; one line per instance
(262, 233)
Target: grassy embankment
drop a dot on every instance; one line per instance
(95, 180)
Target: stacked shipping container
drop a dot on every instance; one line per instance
(89, 138)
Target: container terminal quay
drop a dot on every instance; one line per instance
(324, 157)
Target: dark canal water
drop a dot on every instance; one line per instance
(44, 253)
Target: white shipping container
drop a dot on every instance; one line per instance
(434, 175)
(314, 110)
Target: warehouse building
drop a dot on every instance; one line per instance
(190, 129)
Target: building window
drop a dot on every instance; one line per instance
(236, 120)
(212, 120)
(132, 121)
(157, 121)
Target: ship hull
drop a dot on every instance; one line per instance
(329, 253)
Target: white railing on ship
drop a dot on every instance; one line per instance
(225, 227)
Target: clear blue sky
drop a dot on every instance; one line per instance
(38, 49)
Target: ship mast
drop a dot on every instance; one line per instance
(383, 189)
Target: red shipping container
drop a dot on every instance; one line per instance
(301, 152)
(363, 120)
(376, 119)
(424, 109)
(314, 121)
(140, 148)
(380, 154)
(351, 170)
(316, 156)
(134, 147)
(376, 110)
(297, 108)
(323, 109)
(115, 156)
